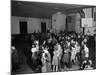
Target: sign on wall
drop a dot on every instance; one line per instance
(90, 30)
(87, 22)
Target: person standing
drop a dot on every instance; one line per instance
(55, 59)
(43, 59)
(46, 60)
(59, 56)
(85, 57)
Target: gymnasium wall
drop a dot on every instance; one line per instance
(33, 24)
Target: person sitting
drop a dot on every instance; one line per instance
(86, 65)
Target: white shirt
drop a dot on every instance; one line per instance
(34, 50)
(46, 51)
(86, 52)
(59, 50)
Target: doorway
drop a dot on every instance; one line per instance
(23, 27)
(43, 27)
(66, 27)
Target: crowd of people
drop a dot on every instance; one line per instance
(54, 52)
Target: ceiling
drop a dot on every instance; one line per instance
(41, 9)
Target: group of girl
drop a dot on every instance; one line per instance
(66, 51)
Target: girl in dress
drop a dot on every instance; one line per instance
(73, 53)
(43, 59)
(66, 58)
(55, 59)
(59, 55)
(77, 57)
(46, 60)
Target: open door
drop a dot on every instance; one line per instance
(43, 27)
(23, 27)
(66, 27)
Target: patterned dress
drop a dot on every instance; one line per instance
(55, 58)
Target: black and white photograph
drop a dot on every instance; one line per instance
(52, 37)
